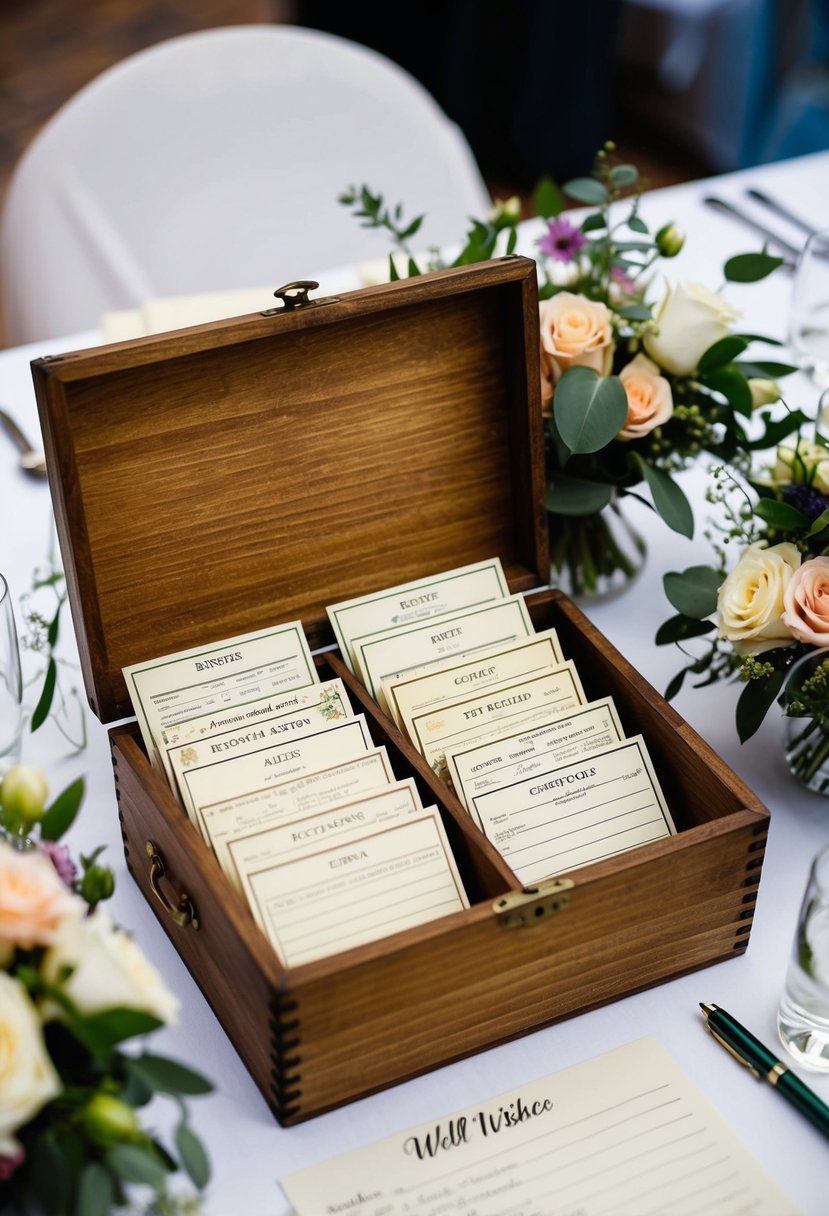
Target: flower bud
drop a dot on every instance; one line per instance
(669, 240)
(23, 797)
(763, 392)
(506, 212)
(97, 884)
(108, 1120)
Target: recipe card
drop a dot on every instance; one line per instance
(386, 656)
(394, 607)
(208, 678)
(627, 1133)
(292, 799)
(436, 683)
(537, 698)
(568, 816)
(502, 759)
(337, 898)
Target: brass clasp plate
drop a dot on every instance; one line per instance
(520, 909)
(295, 296)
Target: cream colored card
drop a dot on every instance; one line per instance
(293, 799)
(426, 688)
(570, 815)
(627, 1133)
(395, 607)
(239, 774)
(205, 678)
(239, 741)
(388, 656)
(329, 699)
(531, 699)
(337, 898)
(337, 824)
(476, 767)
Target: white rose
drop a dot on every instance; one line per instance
(28, 1079)
(690, 319)
(805, 464)
(109, 970)
(750, 602)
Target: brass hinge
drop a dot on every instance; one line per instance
(295, 296)
(528, 907)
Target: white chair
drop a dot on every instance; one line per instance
(214, 161)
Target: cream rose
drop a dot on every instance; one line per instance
(750, 602)
(806, 601)
(650, 402)
(575, 332)
(805, 464)
(690, 318)
(28, 1079)
(109, 970)
(34, 902)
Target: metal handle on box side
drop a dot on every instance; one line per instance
(184, 912)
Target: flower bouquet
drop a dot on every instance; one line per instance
(73, 990)
(769, 609)
(632, 392)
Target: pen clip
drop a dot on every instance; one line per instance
(732, 1050)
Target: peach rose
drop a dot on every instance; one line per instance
(34, 902)
(650, 402)
(806, 601)
(575, 332)
(750, 602)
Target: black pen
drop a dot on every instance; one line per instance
(765, 1065)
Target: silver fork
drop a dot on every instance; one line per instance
(30, 460)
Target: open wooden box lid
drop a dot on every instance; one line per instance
(215, 480)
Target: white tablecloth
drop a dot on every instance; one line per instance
(249, 1150)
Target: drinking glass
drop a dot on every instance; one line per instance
(11, 685)
(803, 1014)
(809, 315)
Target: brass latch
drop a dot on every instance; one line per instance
(183, 911)
(295, 296)
(523, 908)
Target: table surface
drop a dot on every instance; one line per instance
(249, 1151)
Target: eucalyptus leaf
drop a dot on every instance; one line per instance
(679, 628)
(668, 498)
(635, 312)
(168, 1076)
(722, 352)
(637, 224)
(755, 701)
(96, 1192)
(586, 190)
(548, 201)
(781, 515)
(133, 1163)
(590, 409)
(574, 496)
(61, 814)
(775, 430)
(733, 386)
(44, 704)
(693, 591)
(594, 222)
(101, 1032)
(819, 524)
(750, 267)
(393, 275)
(675, 684)
(762, 338)
(764, 369)
(623, 175)
(193, 1156)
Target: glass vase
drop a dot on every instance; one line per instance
(596, 556)
(806, 738)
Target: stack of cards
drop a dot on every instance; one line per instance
(502, 718)
(283, 781)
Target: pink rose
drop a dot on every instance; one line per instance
(650, 402)
(34, 902)
(806, 602)
(575, 332)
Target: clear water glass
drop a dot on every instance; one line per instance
(11, 684)
(809, 315)
(803, 1014)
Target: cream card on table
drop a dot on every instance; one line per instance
(387, 656)
(349, 820)
(500, 760)
(394, 607)
(568, 816)
(434, 684)
(293, 799)
(207, 678)
(241, 773)
(627, 1133)
(535, 698)
(337, 898)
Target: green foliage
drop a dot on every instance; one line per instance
(590, 409)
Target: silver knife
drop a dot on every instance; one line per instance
(719, 204)
(761, 197)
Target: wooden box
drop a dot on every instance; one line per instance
(219, 479)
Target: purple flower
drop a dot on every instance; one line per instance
(562, 240)
(60, 858)
(622, 280)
